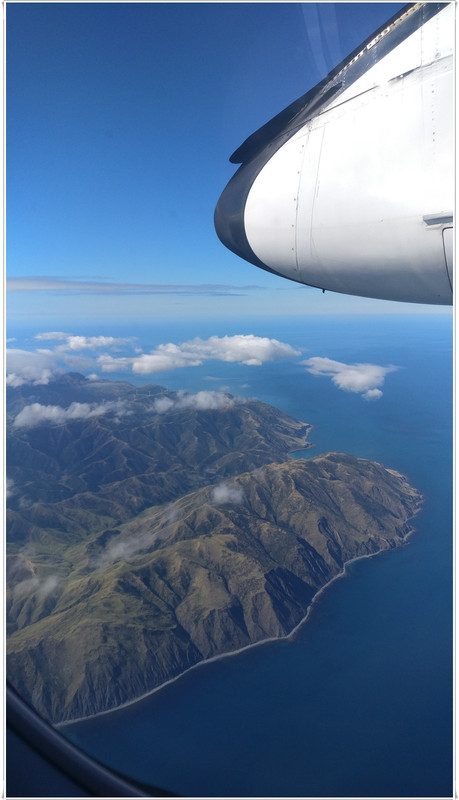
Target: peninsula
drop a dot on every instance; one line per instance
(150, 530)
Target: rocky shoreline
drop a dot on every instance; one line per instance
(223, 575)
(237, 652)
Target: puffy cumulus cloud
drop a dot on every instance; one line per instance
(165, 357)
(242, 348)
(364, 379)
(373, 394)
(65, 351)
(226, 493)
(163, 404)
(37, 414)
(23, 366)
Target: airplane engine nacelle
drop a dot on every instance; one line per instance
(351, 188)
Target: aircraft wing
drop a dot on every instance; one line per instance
(351, 187)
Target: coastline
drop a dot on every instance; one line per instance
(271, 639)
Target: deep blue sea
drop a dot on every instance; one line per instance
(359, 703)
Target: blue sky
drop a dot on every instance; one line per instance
(121, 118)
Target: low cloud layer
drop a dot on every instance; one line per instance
(364, 379)
(95, 355)
(37, 414)
(65, 351)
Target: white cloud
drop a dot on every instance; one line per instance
(52, 336)
(36, 586)
(37, 414)
(73, 342)
(165, 357)
(48, 585)
(9, 488)
(30, 367)
(201, 401)
(242, 348)
(162, 404)
(92, 342)
(41, 365)
(123, 549)
(205, 401)
(226, 493)
(372, 394)
(364, 379)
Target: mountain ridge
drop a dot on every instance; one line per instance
(131, 594)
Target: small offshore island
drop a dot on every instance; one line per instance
(149, 531)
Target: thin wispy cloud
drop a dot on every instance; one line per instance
(52, 335)
(364, 379)
(124, 548)
(47, 283)
(40, 587)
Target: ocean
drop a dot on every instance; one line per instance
(358, 703)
